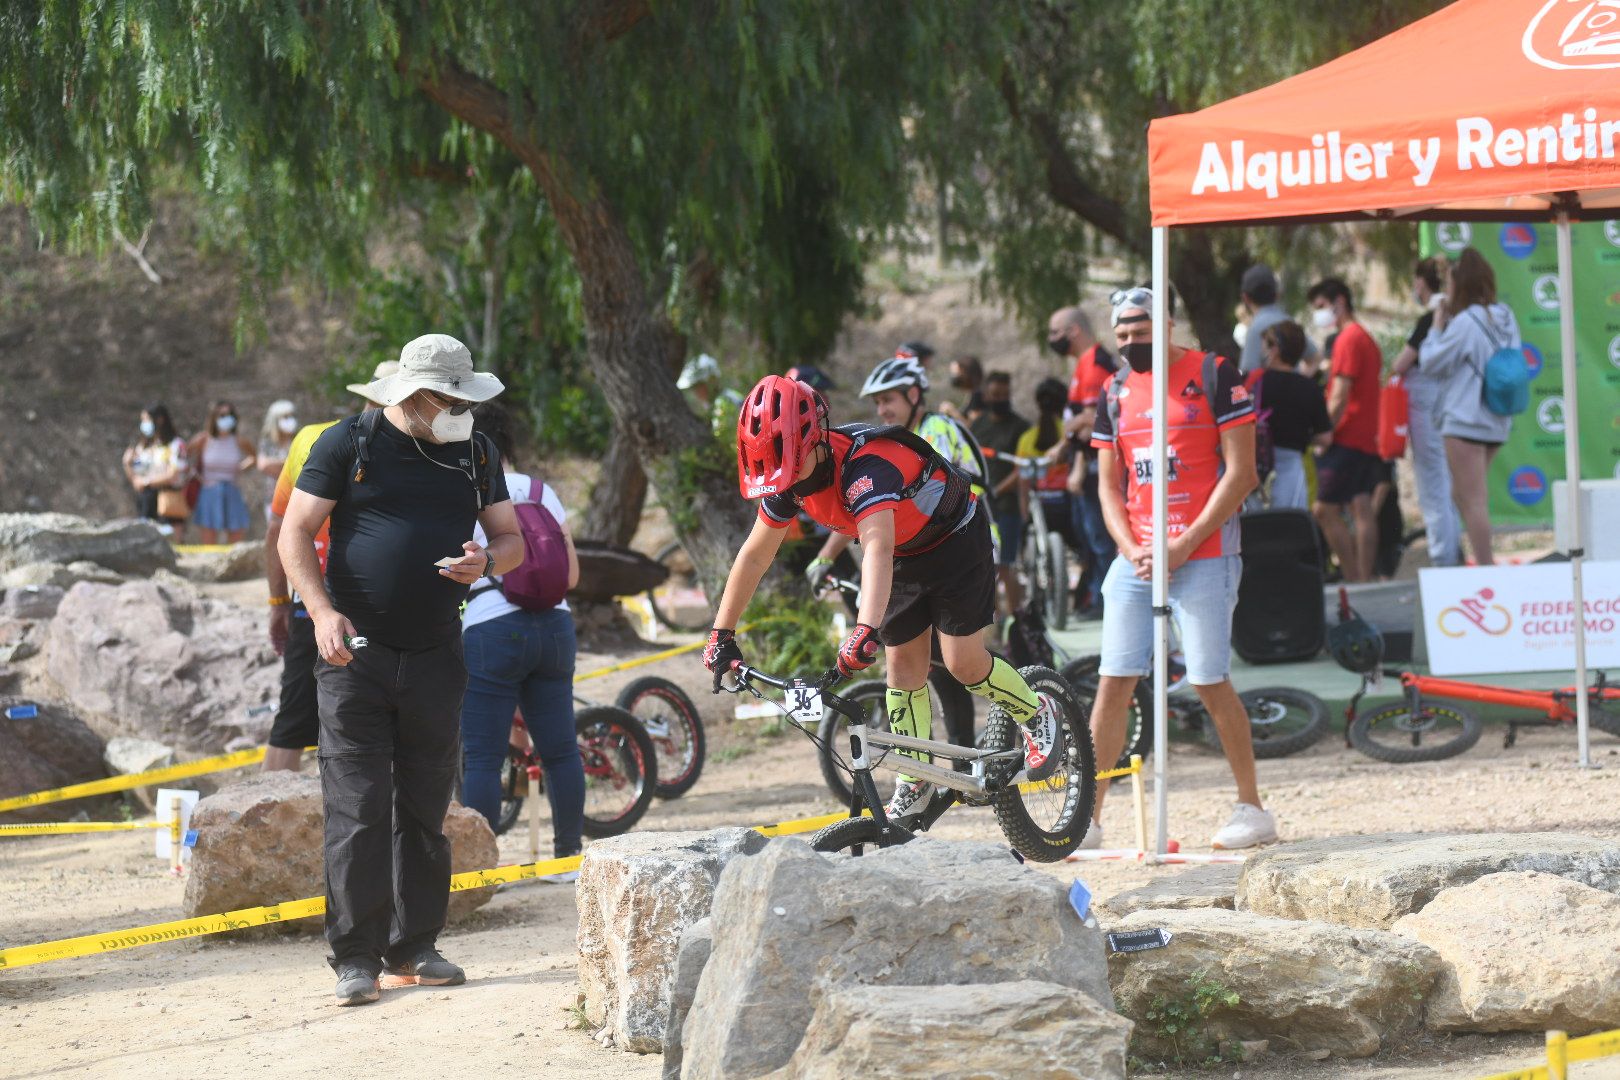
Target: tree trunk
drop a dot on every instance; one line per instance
(617, 499)
(1206, 284)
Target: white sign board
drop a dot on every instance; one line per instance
(1490, 619)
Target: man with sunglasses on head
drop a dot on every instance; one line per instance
(403, 486)
(1211, 470)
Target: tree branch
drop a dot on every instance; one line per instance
(138, 253)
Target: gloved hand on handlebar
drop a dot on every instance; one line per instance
(719, 653)
(817, 574)
(859, 650)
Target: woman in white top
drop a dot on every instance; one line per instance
(155, 465)
(219, 455)
(1468, 328)
(518, 659)
(275, 442)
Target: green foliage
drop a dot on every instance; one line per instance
(1182, 1021)
(789, 634)
(686, 473)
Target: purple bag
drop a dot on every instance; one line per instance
(540, 582)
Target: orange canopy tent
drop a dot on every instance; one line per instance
(1486, 110)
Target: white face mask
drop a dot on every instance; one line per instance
(227, 424)
(148, 428)
(287, 424)
(1324, 318)
(447, 428)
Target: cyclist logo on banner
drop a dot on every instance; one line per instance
(1142, 463)
(1588, 39)
(1477, 611)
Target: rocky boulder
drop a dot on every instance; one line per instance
(1311, 985)
(693, 952)
(259, 843)
(242, 562)
(50, 750)
(790, 925)
(1372, 881)
(127, 547)
(1523, 952)
(61, 576)
(991, 1031)
(637, 895)
(19, 639)
(157, 661)
(30, 602)
(1210, 886)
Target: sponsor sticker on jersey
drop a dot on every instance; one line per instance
(863, 486)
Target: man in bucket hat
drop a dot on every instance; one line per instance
(403, 486)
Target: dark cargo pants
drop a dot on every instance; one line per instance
(390, 748)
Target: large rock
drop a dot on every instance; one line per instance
(259, 842)
(1374, 880)
(61, 576)
(52, 749)
(128, 547)
(242, 562)
(31, 602)
(789, 925)
(637, 894)
(1211, 886)
(1312, 985)
(1523, 952)
(160, 662)
(696, 944)
(991, 1031)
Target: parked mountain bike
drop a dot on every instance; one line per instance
(1043, 813)
(1427, 724)
(1044, 562)
(621, 771)
(1282, 719)
(676, 730)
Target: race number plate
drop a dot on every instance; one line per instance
(804, 702)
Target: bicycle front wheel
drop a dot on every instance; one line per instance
(1282, 721)
(1044, 820)
(1082, 676)
(854, 836)
(1396, 734)
(676, 730)
(621, 769)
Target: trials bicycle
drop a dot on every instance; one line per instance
(1044, 813)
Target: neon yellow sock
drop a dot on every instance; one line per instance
(910, 713)
(1005, 687)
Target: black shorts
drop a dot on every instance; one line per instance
(298, 720)
(951, 588)
(1343, 472)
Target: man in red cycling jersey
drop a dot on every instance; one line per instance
(926, 560)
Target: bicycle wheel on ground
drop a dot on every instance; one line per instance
(1604, 713)
(679, 603)
(854, 836)
(1045, 819)
(514, 789)
(1282, 721)
(1057, 597)
(676, 730)
(621, 769)
(949, 702)
(1396, 734)
(1082, 675)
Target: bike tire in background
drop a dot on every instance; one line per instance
(1057, 597)
(676, 729)
(1282, 721)
(1081, 674)
(682, 575)
(621, 769)
(1392, 733)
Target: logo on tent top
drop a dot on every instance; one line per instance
(1550, 415)
(1518, 240)
(1575, 35)
(1452, 236)
(1545, 292)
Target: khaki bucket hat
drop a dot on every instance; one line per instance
(434, 362)
(379, 373)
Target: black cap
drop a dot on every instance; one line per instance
(1260, 283)
(920, 349)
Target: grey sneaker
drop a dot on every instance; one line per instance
(428, 968)
(909, 799)
(1093, 838)
(356, 985)
(1249, 827)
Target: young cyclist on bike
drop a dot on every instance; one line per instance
(897, 387)
(926, 563)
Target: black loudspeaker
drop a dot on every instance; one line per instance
(1279, 611)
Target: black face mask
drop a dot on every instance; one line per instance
(819, 478)
(1059, 345)
(999, 408)
(1138, 354)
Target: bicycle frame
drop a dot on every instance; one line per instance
(1552, 704)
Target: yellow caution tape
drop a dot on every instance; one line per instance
(1112, 774)
(202, 549)
(134, 780)
(1587, 1048)
(52, 828)
(1590, 1047)
(652, 659)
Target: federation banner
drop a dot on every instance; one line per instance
(1480, 620)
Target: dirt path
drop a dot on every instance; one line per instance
(263, 1007)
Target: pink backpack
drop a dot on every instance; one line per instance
(541, 581)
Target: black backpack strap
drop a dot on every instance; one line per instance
(483, 452)
(951, 511)
(1111, 401)
(362, 429)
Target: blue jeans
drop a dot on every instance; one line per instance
(1089, 525)
(523, 658)
(1203, 594)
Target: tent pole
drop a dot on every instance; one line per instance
(1161, 555)
(1572, 482)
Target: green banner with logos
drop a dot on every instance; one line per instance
(1525, 258)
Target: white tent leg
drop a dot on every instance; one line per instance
(1572, 473)
(1161, 556)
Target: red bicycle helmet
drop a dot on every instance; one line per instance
(780, 423)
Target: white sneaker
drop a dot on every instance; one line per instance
(1093, 838)
(909, 799)
(1249, 826)
(1040, 734)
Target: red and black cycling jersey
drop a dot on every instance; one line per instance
(874, 471)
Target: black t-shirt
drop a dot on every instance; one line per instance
(390, 528)
(1296, 409)
(1000, 433)
(1421, 331)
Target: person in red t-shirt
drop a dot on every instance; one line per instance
(1349, 469)
(1069, 334)
(926, 561)
(1211, 471)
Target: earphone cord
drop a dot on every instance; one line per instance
(471, 450)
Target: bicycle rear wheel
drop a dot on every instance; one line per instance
(1057, 597)
(683, 605)
(854, 836)
(514, 789)
(1395, 734)
(673, 724)
(621, 769)
(1044, 820)
(1082, 675)
(1282, 721)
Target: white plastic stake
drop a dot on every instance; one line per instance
(173, 805)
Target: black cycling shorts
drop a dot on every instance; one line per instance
(1343, 473)
(951, 588)
(298, 720)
